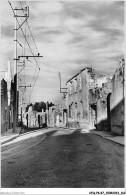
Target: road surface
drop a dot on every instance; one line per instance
(65, 159)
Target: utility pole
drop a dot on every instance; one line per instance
(16, 94)
(15, 109)
(16, 28)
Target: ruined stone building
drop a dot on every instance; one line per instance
(98, 100)
(4, 106)
(86, 99)
(34, 119)
(8, 86)
(93, 100)
(109, 101)
(77, 99)
(57, 116)
(117, 100)
(7, 105)
(30, 118)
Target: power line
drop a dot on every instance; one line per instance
(26, 41)
(30, 29)
(37, 51)
(24, 35)
(21, 69)
(34, 84)
(22, 46)
(30, 62)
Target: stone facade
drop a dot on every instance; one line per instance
(102, 106)
(11, 106)
(4, 106)
(86, 100)
(117, 100)
(57, 116)
(98, 101)
(77, 98)
(34, 119)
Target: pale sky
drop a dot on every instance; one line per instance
(70, 35)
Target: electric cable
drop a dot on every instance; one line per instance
(24, 35)
(30, 29)
(36, 49)
(34, 84)
(29, 48)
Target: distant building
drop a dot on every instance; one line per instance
(4, 106)
(57, 117)
(34, 119)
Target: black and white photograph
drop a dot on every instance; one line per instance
(62, 96)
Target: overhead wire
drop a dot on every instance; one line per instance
(24, 62)
(26, 41)
(29, 60)
(21, 69)
(22, 91)
(34, 84)
(36, 49)
(24, 34)
(29, 28)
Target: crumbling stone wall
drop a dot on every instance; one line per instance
(117, 100)
(78, 98)
(102, 112)
(57, 116)
(100, 88)
(4, 106)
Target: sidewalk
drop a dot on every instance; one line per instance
(107, 135)
(9, 135)
(110, 136)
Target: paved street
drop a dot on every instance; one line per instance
(65, 159)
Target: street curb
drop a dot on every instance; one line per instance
(10, 139)
(110, 139)
(26, 148)
(4, 142)
(99, 135)
(28, 132)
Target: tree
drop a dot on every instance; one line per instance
(27, 107)
(51, 104)
(38, 106)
